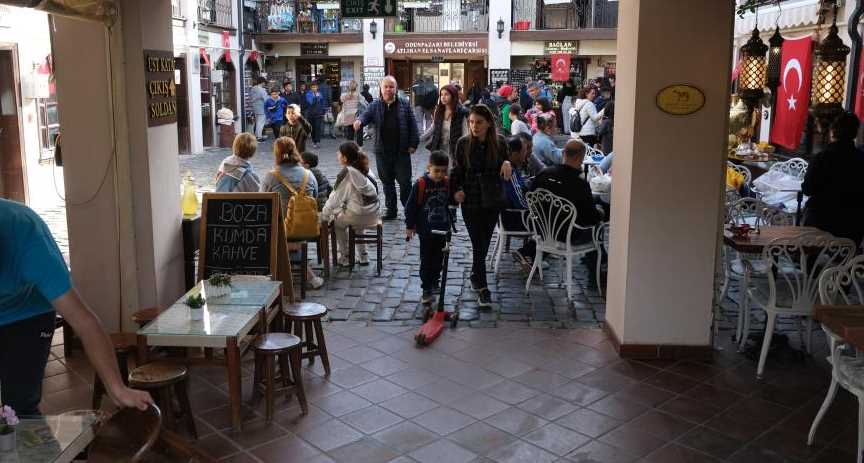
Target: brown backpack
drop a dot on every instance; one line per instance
(301, 214)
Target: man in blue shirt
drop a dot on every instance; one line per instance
(34, 282)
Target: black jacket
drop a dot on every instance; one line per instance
(293, 98)
(468, 167)
(833, 183)
(567, 182)
(435, 143)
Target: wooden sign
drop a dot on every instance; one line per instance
(368, 8)
(161, 90)
(680, 99)
(449, 47)
(570, 47)
(239, 234)
(314, 49)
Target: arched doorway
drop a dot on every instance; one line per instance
(224, 83)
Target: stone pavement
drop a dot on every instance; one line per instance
(395, 295)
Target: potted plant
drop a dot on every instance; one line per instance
(8, 421)
(196, 306)
(218, 285)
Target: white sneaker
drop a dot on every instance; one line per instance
(363, 260)
(315, 283)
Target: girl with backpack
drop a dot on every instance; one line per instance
(353, 202)
(287, 178)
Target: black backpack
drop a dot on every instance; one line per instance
(576, 121)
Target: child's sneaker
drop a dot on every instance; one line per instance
(485, 298)
(428, 296)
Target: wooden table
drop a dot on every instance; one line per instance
(846, 321)
(53, 438)
(754, 243)
(227, 324)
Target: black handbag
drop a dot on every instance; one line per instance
(492, 194)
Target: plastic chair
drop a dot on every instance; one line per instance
(504, 236)
(793, 266)
(553, 216)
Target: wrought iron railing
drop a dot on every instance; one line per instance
(443, 16)
(215, 12)
(572, 14)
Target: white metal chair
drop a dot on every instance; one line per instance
(748, 176)
(601, 242)
(792, 284)
(842, 285)
(505, 235)
(795, 167)
(553, 217)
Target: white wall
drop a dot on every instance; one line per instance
(499, 49)
(373, 49)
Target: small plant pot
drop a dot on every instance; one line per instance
(216, 291)
(7, 442)
(196, 314)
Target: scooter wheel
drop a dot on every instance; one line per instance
(420, 339)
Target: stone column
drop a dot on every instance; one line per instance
(668, 176)
(122, 181)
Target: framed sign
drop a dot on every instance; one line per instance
(555, 47)
(680, 99)
(160, 87)
(368, 8)
(314, 49)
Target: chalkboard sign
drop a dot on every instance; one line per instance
(239, 234)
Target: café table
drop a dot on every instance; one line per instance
(227, 324)
(846, 321)
(53, 438)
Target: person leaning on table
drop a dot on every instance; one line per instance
(34, 283)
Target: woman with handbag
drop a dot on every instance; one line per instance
(350, 107)
(480, 163)
(450, 122)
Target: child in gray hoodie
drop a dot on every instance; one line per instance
(235, 172)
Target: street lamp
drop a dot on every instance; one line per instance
(752, 77)
(373, 28)
(500, 27)
(829, 78)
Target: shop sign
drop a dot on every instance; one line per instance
(680, 100)
(554, 47)
(314, 49)
(449, 47)
(368, 8)
(161, 90)
(437, 59)
(372, 75)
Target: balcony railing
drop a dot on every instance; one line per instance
(442, 16)
(566, 14)
(215, 13)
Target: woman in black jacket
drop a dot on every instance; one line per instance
(450, 122)
(480, 161)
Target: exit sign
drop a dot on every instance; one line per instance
(368, 8)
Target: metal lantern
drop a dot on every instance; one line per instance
(829, 78)
(373, 29)
(775, 47)
(500, 28)
(751, 80)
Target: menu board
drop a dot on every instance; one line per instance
(239, 234)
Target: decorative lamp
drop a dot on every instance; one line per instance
(775, 46)
(373, 29)
(751, 80)
(829, 79)
(500, 28)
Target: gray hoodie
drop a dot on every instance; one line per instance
(236, 176)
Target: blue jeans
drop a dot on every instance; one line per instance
(24, 347)
(394, 168)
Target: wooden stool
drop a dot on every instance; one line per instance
(124, 344)
(377, 239)
(145, 316)
(285, 348)
(306, 317)
(160, 378)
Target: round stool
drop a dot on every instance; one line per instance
(124, 344)
(305, 317)
(166, 380)
(145, 316)
(285, 348)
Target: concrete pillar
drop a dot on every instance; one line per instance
(668, 176)
(500, 49)
(122, 182)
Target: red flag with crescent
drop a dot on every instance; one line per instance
(793, 94)
(560, 67)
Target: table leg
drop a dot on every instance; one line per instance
(743, 313)
(141, 357)
(232, 352)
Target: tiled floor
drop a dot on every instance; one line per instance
(512, 394)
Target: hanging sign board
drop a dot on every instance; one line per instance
(160, 87)
(557, 47)
(368, 8)
(239, 234)
(680, 100)
(314, 49)
(444, 48)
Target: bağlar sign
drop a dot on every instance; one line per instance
(450, 47)
(161, 89)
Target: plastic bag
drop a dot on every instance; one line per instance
(776, 188)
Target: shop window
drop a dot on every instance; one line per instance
(49, 126)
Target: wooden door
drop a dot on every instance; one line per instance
(183, 138)
(402, 73)
(12, 183)
(207, 111)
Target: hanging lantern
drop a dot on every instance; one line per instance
(751, 80)
(775, 47)
(829, 78)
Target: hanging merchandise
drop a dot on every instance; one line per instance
(329, 21)
(281, 16)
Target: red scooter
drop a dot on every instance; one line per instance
(434, 321)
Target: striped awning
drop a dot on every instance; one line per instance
(791, 15)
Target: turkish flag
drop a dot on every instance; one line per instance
(793, 94)
(560, 67)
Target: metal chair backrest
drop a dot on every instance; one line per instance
(601, 236)
(796, 263)
(126, 436)
(795, 167)
(757, 213)
(551, 216)
(843, 284)
(748, 176)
